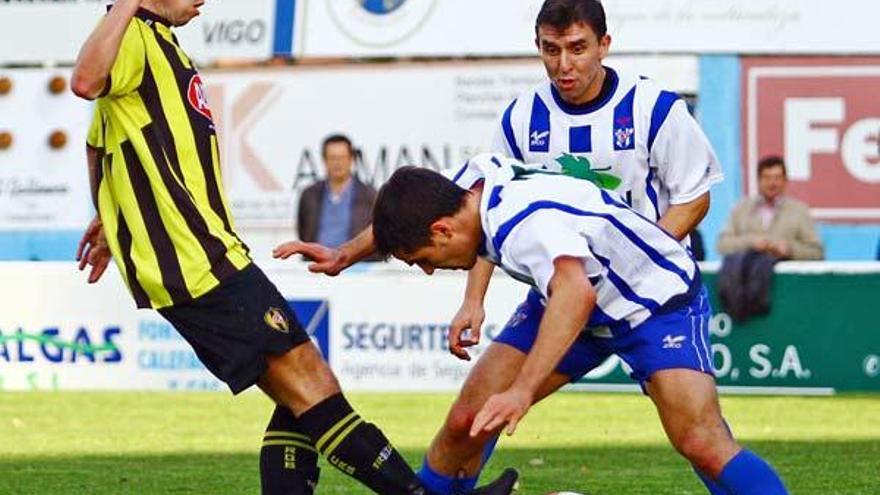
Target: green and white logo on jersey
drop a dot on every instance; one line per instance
(581, 168)
(578, 167)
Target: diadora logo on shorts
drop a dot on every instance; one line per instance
(275, 318)
(379, 23)
(539, 138)
(670, 342)
(198, 97)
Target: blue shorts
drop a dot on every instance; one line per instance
(672, 340)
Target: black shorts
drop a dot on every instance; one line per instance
(236, 324)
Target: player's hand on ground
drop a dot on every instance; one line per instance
(323, 259)
(464, 331)
(506, 408)
(93, 251)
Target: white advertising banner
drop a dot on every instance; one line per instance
(381, 328)
(504, 27)
(437, 115)
(52, 32)
(753, 27)
(272, 123)
(358, 28)
(41, 187)
(230, 29)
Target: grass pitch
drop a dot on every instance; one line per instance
(207, 443)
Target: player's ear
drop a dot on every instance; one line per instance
(441, 230)
(604, 45)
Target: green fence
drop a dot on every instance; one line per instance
(822, 335)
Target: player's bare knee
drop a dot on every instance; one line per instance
(299, 378)
(706, 447)
(458, 421)
(328, 383)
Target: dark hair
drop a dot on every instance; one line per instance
(407, 205)
(561, 14)
(336, 138)
(771, 161)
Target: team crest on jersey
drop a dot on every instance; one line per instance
(623, 138)
(198, 96)
(275, 318)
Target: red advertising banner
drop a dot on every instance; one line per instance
(823, 116)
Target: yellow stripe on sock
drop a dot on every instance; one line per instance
(293, 443)
(332, 431)
(287, 434)
(341, 437)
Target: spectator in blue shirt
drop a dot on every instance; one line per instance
(334, 210)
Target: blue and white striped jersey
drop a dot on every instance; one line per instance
(531, 216)
(638, 140)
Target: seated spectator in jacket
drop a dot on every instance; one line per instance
(334, 210)
(772, 222)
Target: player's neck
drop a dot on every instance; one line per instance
(472, 219)
(154, 7)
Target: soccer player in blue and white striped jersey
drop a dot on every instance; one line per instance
(613, 282)
(624, 132)
(637, 268)
(638, 135)
(638, 138)
(627, 134)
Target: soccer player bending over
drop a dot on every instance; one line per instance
(613, 282)
(164, 219)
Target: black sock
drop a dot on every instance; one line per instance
(358, 448)
(288, 458)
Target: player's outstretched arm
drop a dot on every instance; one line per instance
(326, 260)
(471, 313)
(98, 53)
(571, 301)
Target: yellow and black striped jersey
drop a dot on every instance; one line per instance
(161, 198)
(95, 137)
(95, 141)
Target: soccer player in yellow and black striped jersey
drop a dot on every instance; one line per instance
(162, 211)
(161, 191)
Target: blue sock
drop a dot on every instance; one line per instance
(748, 474)
(487, 451)
(442, 484)
(446, 485)
(713, 487)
